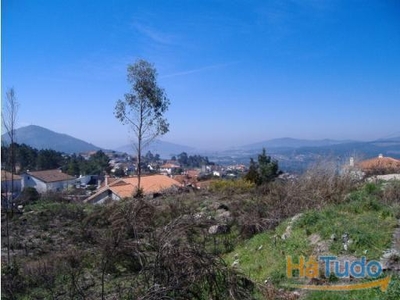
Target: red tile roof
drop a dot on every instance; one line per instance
(126, 187)
(381, 163)
(50, 175)
(152, 183)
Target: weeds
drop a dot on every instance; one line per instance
(232, 186)
(161, 248)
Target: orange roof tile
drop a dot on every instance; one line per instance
(152, 183)
(379, 163)
(51, 175)
(123, 190)
(125, 187)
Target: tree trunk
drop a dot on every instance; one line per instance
(139, 160)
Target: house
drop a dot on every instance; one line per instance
(7, 184)
(169, 168)
(48, 180)
(126, 187)
(379, 166)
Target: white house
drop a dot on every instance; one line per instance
(168, 168)
(48, 180)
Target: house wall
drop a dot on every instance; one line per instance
(42, 187)
(60, 185)
(6, 186)
(29, 181)
(84, 180)
(386, 177)
(100, 198)
(166, 170)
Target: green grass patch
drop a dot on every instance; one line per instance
(368, 222)
(366, 238)
(263, 257)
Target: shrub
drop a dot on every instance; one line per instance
(28, 195)
(371, 188)
(391, 192)
(231, 186)
(12, 282)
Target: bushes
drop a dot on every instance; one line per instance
(231, 186)
(391, 193)
(12, 282)
(155, 248)
(28, 195)
(272, 203)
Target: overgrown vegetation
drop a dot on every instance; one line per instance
(228, 242)
(368, 215)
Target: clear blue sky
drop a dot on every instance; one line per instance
(236, 71)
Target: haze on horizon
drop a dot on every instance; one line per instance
(236, 72)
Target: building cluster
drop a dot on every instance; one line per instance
(159, 176)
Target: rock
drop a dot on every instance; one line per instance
(198, 216)
(296, 294)
(314, 239)
(218, 229)
(345, 237)
(390, 253)
(288, 230)
(235, 263)
(224, 216)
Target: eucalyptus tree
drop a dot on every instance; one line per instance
(143, 108)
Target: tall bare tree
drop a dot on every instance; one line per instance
(9, 118)
(142, 109)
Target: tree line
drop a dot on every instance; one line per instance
(31, 159)
(191, 161)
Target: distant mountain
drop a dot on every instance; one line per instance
(164, 149)
(389, 139)
(364, 149)
(42, 138)
(291, 143)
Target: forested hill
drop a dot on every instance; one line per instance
(42, 138)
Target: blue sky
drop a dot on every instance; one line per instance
(235, 71)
